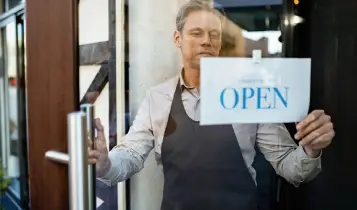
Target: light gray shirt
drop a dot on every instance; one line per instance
(147, 132)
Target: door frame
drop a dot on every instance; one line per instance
(53, 92)
(119, 39)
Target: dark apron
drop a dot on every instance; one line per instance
(203, 166)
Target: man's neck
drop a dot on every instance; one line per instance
(192, 77)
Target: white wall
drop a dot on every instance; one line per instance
(94, 27)
(93, 21)
(153, 59)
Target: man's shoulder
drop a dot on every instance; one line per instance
(167, 87)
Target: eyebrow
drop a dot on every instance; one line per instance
(194, 29)
(201, 29)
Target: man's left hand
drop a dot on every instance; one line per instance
(315, 132)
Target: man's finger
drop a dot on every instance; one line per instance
(93, 154)
(315, 134)
(90, 143)
(98, 124)
(310, 118)
(326, 137)
(92, 161)
(323, 119)
(323, 141)
(100, 129)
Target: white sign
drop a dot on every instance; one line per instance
(240, 90)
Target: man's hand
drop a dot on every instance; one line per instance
(315, 132)
(99, 155)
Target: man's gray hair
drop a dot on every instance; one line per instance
(195, 5)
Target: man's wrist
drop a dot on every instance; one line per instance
(104, 169)
(311, 152)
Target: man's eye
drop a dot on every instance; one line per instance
(215, 35)
(196, 33)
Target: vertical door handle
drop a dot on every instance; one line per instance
(88, 110)
(77, 158)
(78, 162)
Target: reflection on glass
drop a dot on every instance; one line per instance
(2, 7)
(153, 59)
(13, 135)
(267, 41)
(251, 26)
(14, 3)
(150, 61)
(9, 107)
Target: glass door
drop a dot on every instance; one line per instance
(13, 110)
(98, 85)
(153, 58)
(125, 48)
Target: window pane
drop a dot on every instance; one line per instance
(2, 6)
(97, 81)
(14, 3)
(252, 27)
(154, 58)
(11, 107)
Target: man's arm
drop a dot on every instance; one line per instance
(129, 156)
(288, 159)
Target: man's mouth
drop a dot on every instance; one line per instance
(205, 54)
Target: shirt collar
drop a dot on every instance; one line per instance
(182, 82)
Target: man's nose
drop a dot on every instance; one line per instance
(206, 40)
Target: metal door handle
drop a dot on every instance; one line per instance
(78, 162)
(88, 110)
(77, 159)
(58, 157)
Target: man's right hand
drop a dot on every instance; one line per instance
(99, 155)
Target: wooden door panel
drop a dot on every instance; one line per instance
(52, 83)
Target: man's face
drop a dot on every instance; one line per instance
(200, 37)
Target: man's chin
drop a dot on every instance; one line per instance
(196, 64)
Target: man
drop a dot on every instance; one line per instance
(206, 167)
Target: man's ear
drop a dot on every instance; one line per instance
(177, 39)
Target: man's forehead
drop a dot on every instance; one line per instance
(203, 19)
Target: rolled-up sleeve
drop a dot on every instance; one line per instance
(128, 157)
(288, 159)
